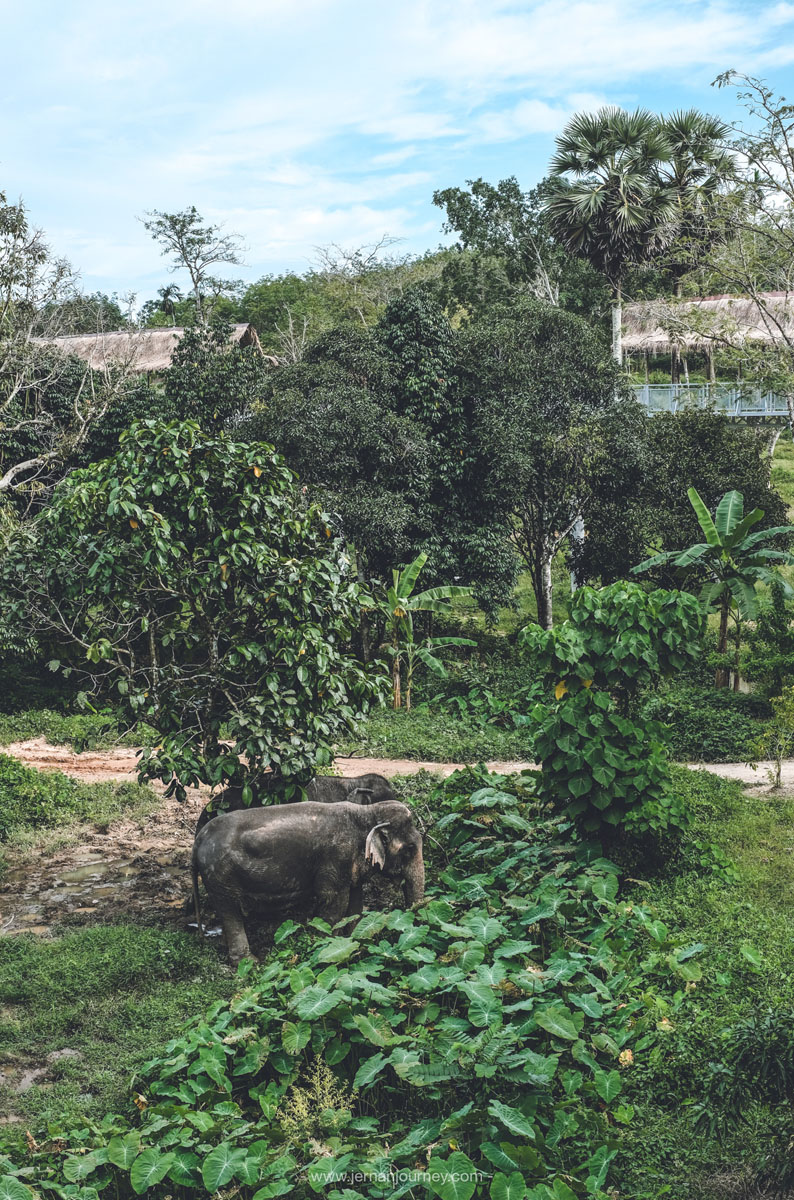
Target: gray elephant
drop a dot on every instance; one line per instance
(362, 789)
(325, 789)
(295, 856)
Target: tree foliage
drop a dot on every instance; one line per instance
(542, 397)
(188, 580)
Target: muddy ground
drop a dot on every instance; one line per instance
(139, 870)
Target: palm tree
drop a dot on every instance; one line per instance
(732, 560)
(168, 298)
(614, 211)
(699, 165)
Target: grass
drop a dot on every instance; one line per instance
(81, 731)
(436, 737)
(33, 800)
(112, 994)
(748, 968)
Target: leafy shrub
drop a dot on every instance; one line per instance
(708, 724)
(31, 799)
(487, 1036)
(600, 767)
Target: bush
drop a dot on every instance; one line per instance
(707, 724)
(31, 799)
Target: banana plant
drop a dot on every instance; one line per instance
(732, 559)
(399, 607)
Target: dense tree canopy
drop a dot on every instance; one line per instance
(544, 404)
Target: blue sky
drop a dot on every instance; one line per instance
(300, 123)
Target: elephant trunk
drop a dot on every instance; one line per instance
(414, 879)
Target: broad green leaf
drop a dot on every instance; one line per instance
(295, 1037)
(337, 950)
(606, 887)
(12, 1189)
(184, 1170)
(608, 1085)
(369, 1070)
(220, 1165)
(315, 1002)
(508, 1187)
(730, 511)
(750, 953)
(453, 1179)
(557, 1020)
(512, 1119)
(149, 1168)
(122, 1151)
(704, 518)
(375, 1029)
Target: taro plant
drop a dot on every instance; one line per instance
(600, 765)
(731, 561)
(482, 1046)
(404, 647)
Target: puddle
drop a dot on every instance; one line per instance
(32, 898)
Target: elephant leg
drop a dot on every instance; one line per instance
(332, 905)
(233, 931)
(355, 905)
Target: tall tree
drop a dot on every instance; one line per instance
(641, 504)
(505, 246)
(542, 393)
(606, 202)
(196, 247)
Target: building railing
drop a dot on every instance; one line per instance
(724, 397)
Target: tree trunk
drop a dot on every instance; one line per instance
(543, 594)
(721, 676)
(712, 371)
(363, 626)
(617, 325)
(396, 683)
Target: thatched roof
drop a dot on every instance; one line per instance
(656, 326)
(143, 350)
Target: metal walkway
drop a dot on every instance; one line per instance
(749, 403)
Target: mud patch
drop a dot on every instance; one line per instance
(136, 871)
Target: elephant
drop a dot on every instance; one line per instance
(326, 789)
(292, 856)
(362, 789)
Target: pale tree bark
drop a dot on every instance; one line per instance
(617, 324)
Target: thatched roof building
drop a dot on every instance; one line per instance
(659, 326)
(147, 351)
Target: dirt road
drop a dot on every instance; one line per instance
(138, 870)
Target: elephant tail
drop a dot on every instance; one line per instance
(196, 905)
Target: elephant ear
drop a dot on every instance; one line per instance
(374, 851)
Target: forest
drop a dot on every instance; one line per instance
(396, 716)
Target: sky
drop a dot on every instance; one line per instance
(302, 123)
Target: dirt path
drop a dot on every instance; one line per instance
(138, 870)
(96, 766)
(99, 766)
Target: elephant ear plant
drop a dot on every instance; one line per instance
(188, 581)
(599, 765)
